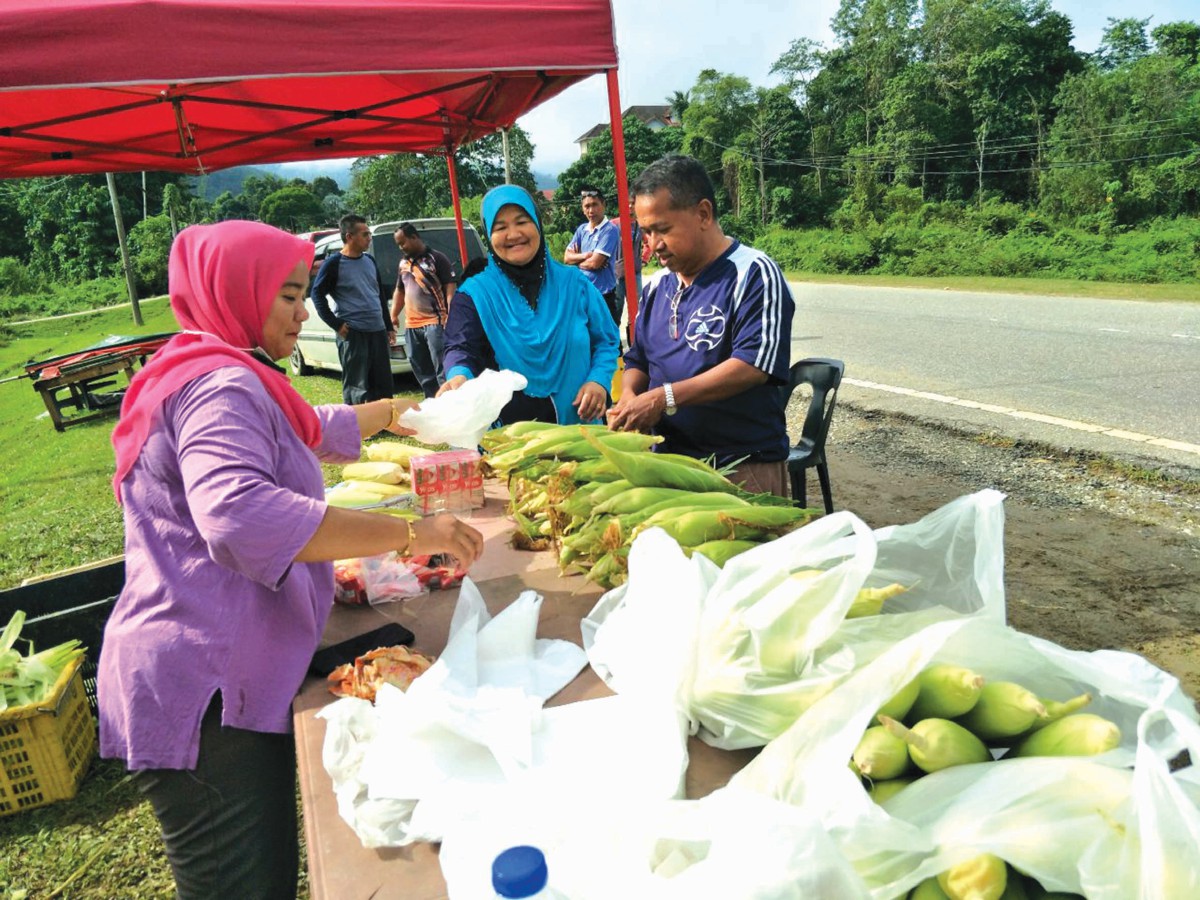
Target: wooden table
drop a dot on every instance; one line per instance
(339, 867)
(83, 385)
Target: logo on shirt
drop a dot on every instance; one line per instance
(705, 328)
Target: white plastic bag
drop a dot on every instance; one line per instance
(731, 844)
(459, 418)
(1041, 815)
(770, 645)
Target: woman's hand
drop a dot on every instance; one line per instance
(397, 408)
(591, 401)
(452, 384)
(443, 533)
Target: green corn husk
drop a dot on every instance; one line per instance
(634, 499)
(651, 470)
(720, 552)
(29, 679)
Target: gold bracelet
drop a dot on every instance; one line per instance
(394, 418)
(412, 539)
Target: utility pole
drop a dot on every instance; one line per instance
(112, 195)
(507, 168)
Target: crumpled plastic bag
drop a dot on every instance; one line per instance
(459, 418)
(730, 844)
(473, 709)
(752, 647)
(1041, 815)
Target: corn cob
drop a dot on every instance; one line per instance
(883, 791)
(720, 552)
(646, 470)
(1081, 734)
(376, 487)
(946, 691)
(936, 744)
(394, 452)
(385, 472)
(869, 601)
(982, 877)
(1056, 710)
(901, 702)
(637, 499)
(1004, 710)
(880, 754)
(591, 470)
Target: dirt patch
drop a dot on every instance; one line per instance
(1093, 558)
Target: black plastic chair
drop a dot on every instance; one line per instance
(824, 375)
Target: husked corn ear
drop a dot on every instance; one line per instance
(869, 601)
(1004, 709)
(391, 451)
(946, 692)
(935, 744)
(1081, 734)
(386, 472)
(983, 877)
(376, 487)
(901, 703)
(880, 754)
(721, 552)
(929, 889)
(883, 791)
(348, 498)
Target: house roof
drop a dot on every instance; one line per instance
(644, 114)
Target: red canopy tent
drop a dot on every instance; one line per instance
(89, 86)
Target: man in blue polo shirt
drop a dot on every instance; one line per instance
(594, 247)
(713, 335)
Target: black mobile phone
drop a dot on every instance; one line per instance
(329, 658)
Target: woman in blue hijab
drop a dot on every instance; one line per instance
(527, 313)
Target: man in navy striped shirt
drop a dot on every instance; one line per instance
(713, 335)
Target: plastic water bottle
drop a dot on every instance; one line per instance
(520, 872)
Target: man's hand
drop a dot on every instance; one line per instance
(452, 384)
(344, 331)
(391, 337)
(639, 412)
(590, 401)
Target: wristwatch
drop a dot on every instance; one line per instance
(669, 391)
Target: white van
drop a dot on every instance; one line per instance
(317, 346)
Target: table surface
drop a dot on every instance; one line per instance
(339, 866)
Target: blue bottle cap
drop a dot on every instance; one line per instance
(519, 872)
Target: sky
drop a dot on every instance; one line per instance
(663, 45)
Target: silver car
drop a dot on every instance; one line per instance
(317, 346)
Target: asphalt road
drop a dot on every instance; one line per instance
(1114, 375)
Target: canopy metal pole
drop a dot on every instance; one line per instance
(507, 166)
(116, 207)
(462, 237)
(618, 142)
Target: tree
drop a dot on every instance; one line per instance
(228, 206)
(678, 102)
(293, 208)
(150, 250)
(720, 110)
(323, 186)
(1124, 42)
(257, 188)
(1180, 40)
(642, 147)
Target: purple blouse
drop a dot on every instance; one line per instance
(221, 499)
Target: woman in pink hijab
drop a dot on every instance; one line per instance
(228, 550)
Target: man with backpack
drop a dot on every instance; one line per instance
(359, 315)
(425, 284)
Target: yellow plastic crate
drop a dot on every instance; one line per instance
(45, 748)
